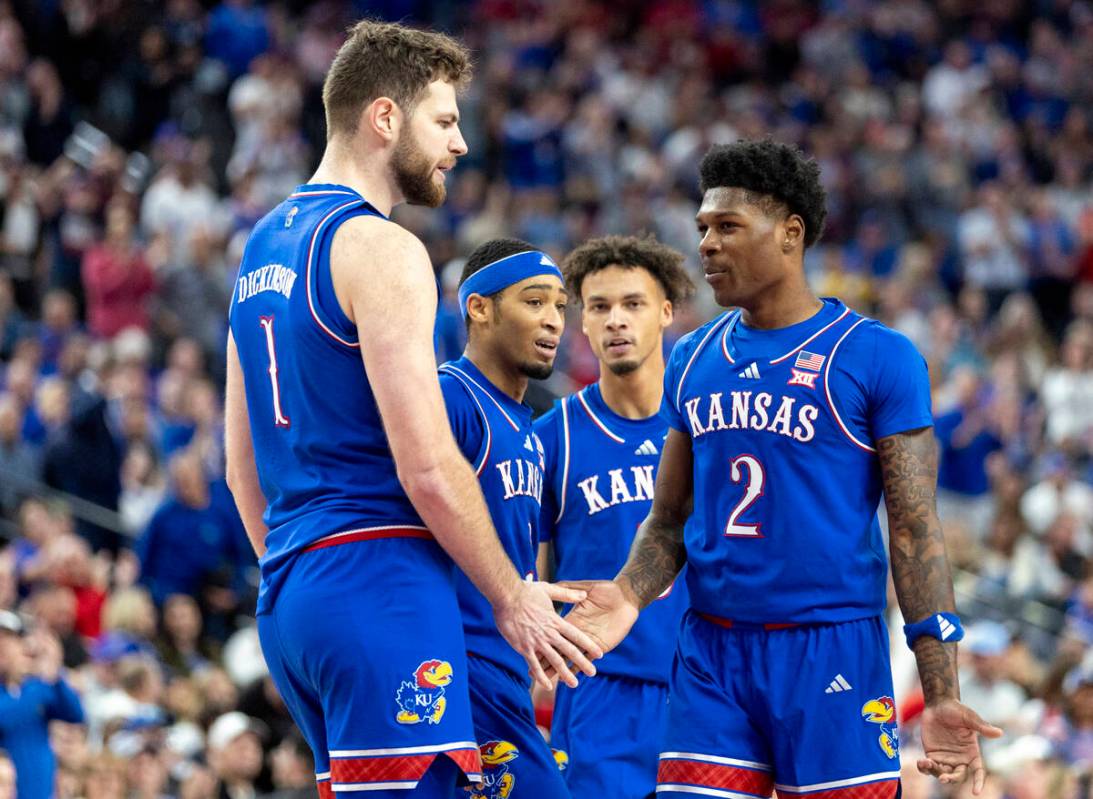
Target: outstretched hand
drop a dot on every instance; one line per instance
(950, 740)
(545, 639)
(605, 614)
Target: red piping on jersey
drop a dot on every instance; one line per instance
(603, 427)
(809, 340)
(565, 449)
(310, 254)
(458, 375)
(827, 390)
(457, 371)
(698, 349)
(370, 534)
(728, 624)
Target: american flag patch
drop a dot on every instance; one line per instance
(808, 360)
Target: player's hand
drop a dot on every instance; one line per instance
(606, 614)
(531, 626)
(950, 741)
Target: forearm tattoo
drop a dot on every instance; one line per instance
(920, 567)
(656, 557)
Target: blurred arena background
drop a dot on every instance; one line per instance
(140, 141)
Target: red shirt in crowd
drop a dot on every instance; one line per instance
(116, 285)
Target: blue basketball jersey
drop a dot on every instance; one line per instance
(783, 427)
(601, 469)
(495, 433)
(322, 455)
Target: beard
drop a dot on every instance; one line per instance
(537, 371)
(621, 368)
(414, 173)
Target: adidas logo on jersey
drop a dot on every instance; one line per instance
(838, 685)
(527, 444)
(947, 627)
(647, 448)
(751, 373)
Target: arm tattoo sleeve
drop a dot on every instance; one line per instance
(656, 557)
(920, 567)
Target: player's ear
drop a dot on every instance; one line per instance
(383, 117)
(793, 232)
(667, 314)
(478, 308)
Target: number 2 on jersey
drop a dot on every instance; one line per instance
(756, 476)
(279, 417)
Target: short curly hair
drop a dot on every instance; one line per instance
(660, 260)
(768, 170)
(387, 59)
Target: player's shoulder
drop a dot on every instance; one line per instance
(874, 342)
(688, 343)
(546, 424)
(453, 385)
(380, 238)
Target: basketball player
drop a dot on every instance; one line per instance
(789, 416)
(602, 448)
(513, 301)
(346, 475)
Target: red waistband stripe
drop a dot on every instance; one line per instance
(368, 534)
(728, 624)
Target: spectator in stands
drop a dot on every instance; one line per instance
(32, 693)
(984, 685)
(117, 279)
(293, 769)
(180, 646)
(967, 437)
(185, 541)
(19, 460)
(234, 751)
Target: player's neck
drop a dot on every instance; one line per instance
(369, 177)
(506, 380)
(781, 305)
(635, 395)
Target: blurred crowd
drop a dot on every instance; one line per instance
(140, 141)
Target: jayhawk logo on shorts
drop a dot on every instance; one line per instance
(561, 757)
(497, 780)
(882, 711)
(423, 699)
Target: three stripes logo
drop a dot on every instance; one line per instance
(647, 448)
(838, 685)
(751, 373)
(946, 627)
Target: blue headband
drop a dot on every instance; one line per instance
(501, 274)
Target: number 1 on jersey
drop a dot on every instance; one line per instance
(279, 417)
(756, 477)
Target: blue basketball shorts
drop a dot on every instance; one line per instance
(804, 710)
(610, 730)
(364, 642)
(516, 761)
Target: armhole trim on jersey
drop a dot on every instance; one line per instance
(565, 458)
(600, 424)
(725, 339)
(698, 349)
(827, 389)
(812, 338)
(311, 253)
(484, 450)
(457, 371)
